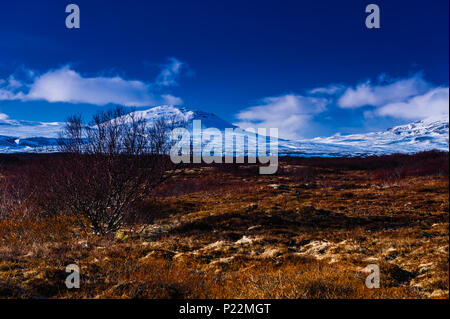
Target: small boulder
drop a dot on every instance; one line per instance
(279, 186)
(271, 253)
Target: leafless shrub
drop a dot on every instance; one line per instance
(107, 167)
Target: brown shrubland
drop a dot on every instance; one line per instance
(222, 232)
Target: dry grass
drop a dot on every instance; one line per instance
(225, 233)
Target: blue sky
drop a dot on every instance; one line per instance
(307, 67)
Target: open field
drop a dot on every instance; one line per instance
(223, 231)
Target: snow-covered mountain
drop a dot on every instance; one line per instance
(414, 137)
(17, 136)
(26, 136)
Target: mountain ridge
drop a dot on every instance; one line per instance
(28, 136)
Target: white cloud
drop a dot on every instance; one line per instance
(331, 89)
(13, 83)
(290, 113)
(297, 116)
(434, 103)
(3, 116)
(67, 85)
(378, 95)
(409, 99)
(169, 73)
(8, 88)
(7, 95)
(171, 100)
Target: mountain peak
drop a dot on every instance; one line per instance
(186, 114)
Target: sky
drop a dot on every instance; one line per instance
(309, 68)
